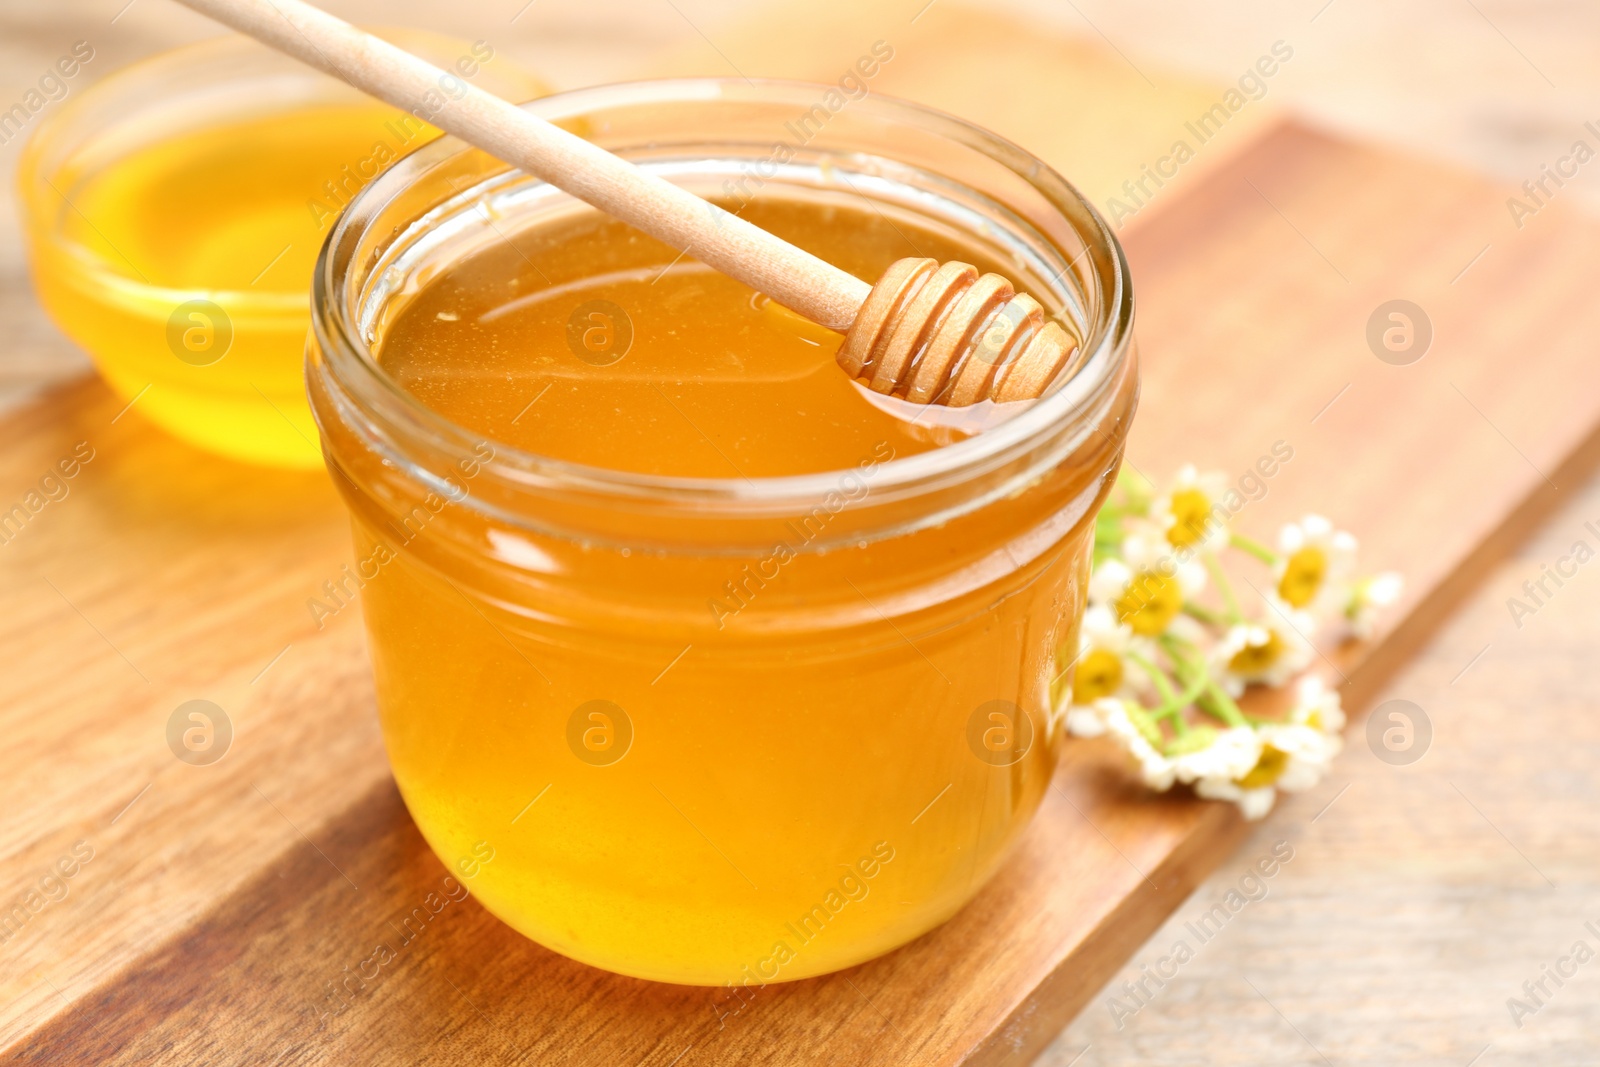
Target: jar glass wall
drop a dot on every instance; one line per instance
(709, 730)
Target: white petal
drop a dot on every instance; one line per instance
(1299, 776)
(1083, 722)
(1191, 578)
(1229, 756)
(1384, 589)
(1291, 539)
(1255, 803)
(1100, 629)
(1218, 789)
(1157, 773)
(1109, 581)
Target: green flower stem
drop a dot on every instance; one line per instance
(1209, 696)
(1254, 548)
(1222, 706)
(1193, 673)
(1173, 702)
(1197, 685)
(1133, 492)
(1180, 726)
(1234, 612)
(1179, 650)
(1177, 647)
(1191, 692)
(1158, 676)
(1204, 614)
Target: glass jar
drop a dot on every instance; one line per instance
(190, 294)
(716, 731)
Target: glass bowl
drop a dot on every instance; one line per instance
(173, 211)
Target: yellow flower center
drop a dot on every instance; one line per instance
(1150, 602)
(1252, 660)
(1314, 719)
(1191, 517)
(1302, 576)
(1099, 675)
(1268, 769)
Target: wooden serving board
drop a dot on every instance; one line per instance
(220, 901)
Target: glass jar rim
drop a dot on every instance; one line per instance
(1077, 398)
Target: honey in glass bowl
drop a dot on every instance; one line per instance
(174, 213)
(736, 672)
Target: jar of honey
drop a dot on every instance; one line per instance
(175, 209)
(696, 660)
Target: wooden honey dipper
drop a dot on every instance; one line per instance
(931, 333)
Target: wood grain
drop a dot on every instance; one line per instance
(220, 904)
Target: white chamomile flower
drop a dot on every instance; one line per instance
(1253, 803)
(1131, 727)
(1293, 759)
(1140, 654)
(1225, 754)
(1269, 652)
(1314, 569)
(1102, 668)
(1318, 707)
(1147, 586)
(1368, 597)
(1190, 514)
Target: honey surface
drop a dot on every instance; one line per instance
(239, 206)
(682, 371)
(194, 295)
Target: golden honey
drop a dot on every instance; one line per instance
(175, 212)
(603, 351)
(738, 673)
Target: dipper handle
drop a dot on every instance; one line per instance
(929, 333)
